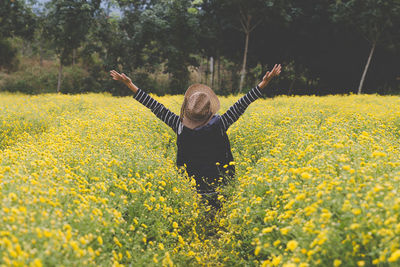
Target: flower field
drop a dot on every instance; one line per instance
(91, 180)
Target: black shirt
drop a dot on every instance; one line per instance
(205, 151)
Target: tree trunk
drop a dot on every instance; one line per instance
(219, 73)
(40, 54)
(212, 71)
(23, 49)
(243, 71)
(59, 78)
(292, 82)
(366, 67)
(206, 70)
(200, 70)
(73, 56)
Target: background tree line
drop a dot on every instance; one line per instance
(326, 47)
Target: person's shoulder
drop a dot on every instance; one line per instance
(216, 124)
(214, 121)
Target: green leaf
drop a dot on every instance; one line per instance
(192, 10)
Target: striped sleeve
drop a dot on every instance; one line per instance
(235, 111)
(164, 114)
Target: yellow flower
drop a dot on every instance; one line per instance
(377, 154)
(305, 175)
(36, 263)
(356, 211)
(267, 230)
(395, 256)
(276, 243)
(285, 230)
(167, 260)
(276, 260)
(292, 245)
(116, 241)
(128, 254)
(337, 262)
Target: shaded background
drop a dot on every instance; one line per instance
(324, 46)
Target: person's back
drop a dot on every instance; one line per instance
(206, 153)
(203, 145)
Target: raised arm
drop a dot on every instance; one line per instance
(237, 109)
(164, 114)
(276, 70)
(124, 79)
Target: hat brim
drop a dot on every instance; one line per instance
(194, 124)
(214, 103)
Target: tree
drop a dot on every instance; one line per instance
(250, 17)
(16, 19)
(214, 40)
(162, 31)
(68, 23)
(245, 16)
(106, 48)
(179, 41)
(376, 20)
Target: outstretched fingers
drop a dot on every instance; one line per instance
(276, 70)
(115, 75)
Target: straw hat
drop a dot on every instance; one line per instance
(199, 105)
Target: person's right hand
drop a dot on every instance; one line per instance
(276, 70)
(124, 79)
(120, 77)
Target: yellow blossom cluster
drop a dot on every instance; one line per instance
(91, 180)
(318, 183)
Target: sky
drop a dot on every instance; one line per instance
(40, 3)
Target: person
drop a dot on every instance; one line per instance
(203, 148)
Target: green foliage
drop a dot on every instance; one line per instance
(34, 79)
(376, 20)
(16, 19)
(174, 25)
(164, 45)
(31, 80)
(7, 54)
(67, 24)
